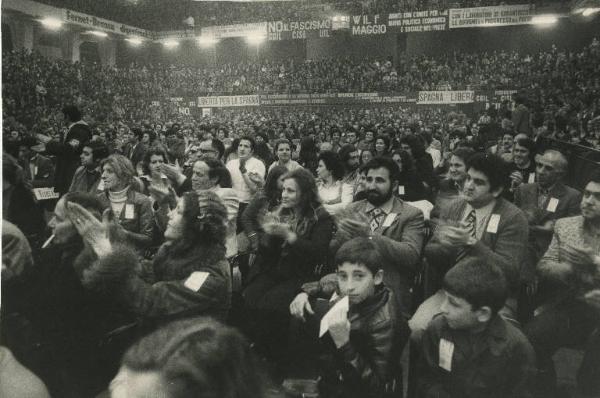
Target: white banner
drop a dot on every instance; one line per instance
(227, 101)
(239, 30)
(92, 22)
(445, 97)
(491, 16)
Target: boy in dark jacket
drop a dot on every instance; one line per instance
(367, 340)
(468, 350)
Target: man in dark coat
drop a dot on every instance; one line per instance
(68, 149)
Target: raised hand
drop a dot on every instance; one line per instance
(94, 232)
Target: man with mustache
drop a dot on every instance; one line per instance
(396, 227)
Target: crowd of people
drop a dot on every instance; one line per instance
(328, 250)
(151, 15)
(561, 86)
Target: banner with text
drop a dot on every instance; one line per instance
(298, 30)
(227, 101)
(518, 14)
(419, 21)
(336, 98)
(445, 97)
(239, 30)
(368, 25)
(92, 22)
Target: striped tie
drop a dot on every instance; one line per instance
(376, 215)
(472, 223)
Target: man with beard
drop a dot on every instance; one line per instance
(478, 224)
(396, 228)
(349, 156)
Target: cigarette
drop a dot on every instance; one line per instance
(47, 243)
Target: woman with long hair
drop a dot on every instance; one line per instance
(132, 210)
(410, 184)
(195, 358)
(334, 193)
(423, 161)
(266, 200)
(308, 154)
(381, 147)
(152, 170)
(188, 276)
(291, 252)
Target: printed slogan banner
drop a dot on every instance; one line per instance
(519, 14)
(227, 101)
(366, 25)
(419, 21)
(445, 97)
(298, 30)
(239, 30)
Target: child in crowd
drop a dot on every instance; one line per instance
(366, 342)
(469, 350)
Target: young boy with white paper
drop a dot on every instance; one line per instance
(469, 351)
(363, 329)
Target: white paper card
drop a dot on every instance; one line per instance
(100, 185)
(45, 193)
(531, 178)
(492, 226)
(389, 219)
(445, 355)
(341, 306)
(196, 280)
(129, 211)
(552, 205)
(401, 190)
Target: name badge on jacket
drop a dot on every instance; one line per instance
(129, 211)
(445, 354)
(492, 226)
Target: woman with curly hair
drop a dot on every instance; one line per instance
(293, 248)
(188, 276)
(194, 358)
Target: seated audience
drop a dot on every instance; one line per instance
(87, 176)
(479, 224)
(452, 184)
(396, 228)
(571, 265)
(410, 185)
(469, 350)
(132, 210)
(366, 342)
(334, 193)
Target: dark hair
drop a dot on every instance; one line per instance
(386, 163)
(271, 190)
(345, 151)
(218, 146)
(408, 163)
(250, 140)
(72, 113)
(416, 145)
(360, 250)
(156, 151)
(204, 217)
(218, 170)
(88, 201)
(494, 168)
(386, 141)
(464, 153)
(333, 164)
(139, 134)
(529, 144)
(281, 141)
(199, 358)
(99, 150)
(10, 166)
(594, 177)
(309, 194)
(479, 282)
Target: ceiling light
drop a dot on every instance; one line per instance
(52, 23)
(548, 19)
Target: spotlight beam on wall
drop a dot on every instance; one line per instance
(51, 23)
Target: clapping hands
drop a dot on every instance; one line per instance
(95, 233)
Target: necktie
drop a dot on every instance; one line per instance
(472, 223)
(376, 217)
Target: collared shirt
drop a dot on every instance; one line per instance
(482, 215)
(386, 209)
